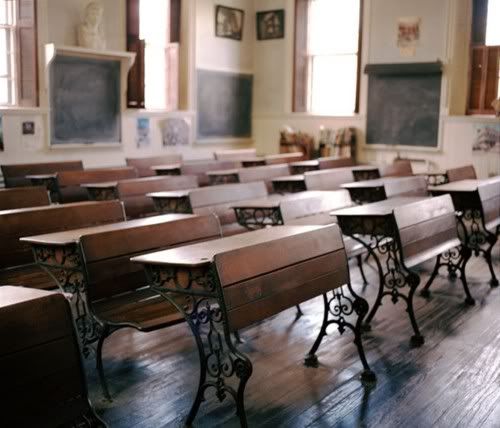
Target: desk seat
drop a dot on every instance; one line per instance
(30, 274)
(143, 309)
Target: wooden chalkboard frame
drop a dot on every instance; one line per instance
(418, 70)
(126, 60)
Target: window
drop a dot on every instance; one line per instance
(7, 58)
(327, 56)
(18, 65)
(484, 67)
(152, 33)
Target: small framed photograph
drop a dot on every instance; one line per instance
(271, 24)
(229, 22)
(28, 128)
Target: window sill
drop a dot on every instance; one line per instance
(15, 110)
(158, 112)
(353, 116)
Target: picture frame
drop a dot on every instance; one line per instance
(229, 22)
(270, 24)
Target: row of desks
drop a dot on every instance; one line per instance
(59, 250)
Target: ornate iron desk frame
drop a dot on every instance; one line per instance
(365, 174)
(380, 236)
(223, 178)
(289, 186)
(64, 264)
(223, 367)
(103, 193)
(473, 231)
(173, 205)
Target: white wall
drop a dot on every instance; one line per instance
(383, 25)
(218, 53)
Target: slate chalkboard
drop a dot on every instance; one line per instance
(224, 104)
(85, 100)
(403, 105)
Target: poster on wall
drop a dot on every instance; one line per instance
(31, 133)
(1, 134)
(487, 138)
(408, 35)
(143, 138)
(175, 132)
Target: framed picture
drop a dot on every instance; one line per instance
(229, 22)
(28, 128)
(271, 24)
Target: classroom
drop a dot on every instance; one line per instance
(249, 213)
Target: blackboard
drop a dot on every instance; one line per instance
(403, 106)
(224, 104)
(85, 100)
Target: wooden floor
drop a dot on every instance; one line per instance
(451, 381)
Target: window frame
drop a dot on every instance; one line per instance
(136, 77)
(302, 73)
(479, 66)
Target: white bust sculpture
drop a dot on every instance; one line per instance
(90, 33)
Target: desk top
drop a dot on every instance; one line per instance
(381, 208)
(167, 167)
(48, 207)
(274, 201)
(378, 182)
(289, 178)
(313, 162)
(458, 186)
(196, 255)
(173, 194)
(361, 168)
(41, 176)
(68, 237)
(104, 185)
(12, 295)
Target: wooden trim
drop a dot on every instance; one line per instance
(360, 51)
(404, 68)
(299, 98)
(27, 49)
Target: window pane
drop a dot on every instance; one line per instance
(493, 23)
(155, 77)
(333, 84)
(4, 68)
(333, 26)
(153, 21)
(4, 91)
(7, 12)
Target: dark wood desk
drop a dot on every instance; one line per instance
(289, 184)
(255, 214)
(377, 190)
(102, 191)
(169, 169)
(49, 181)
(233, 282)
(223, 176)
(59, 255)
(365, 172)
(42, 375)
(250, 162)
(373, 225)
(304, 166)
(472, 213)
(171, 202)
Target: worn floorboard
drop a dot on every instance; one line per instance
(453, 380)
